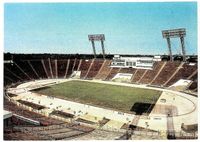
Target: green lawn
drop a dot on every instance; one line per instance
(110, 96)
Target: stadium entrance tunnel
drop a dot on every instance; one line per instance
(140, 107)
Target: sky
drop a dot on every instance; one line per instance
(129, 28)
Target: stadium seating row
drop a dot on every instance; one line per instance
(163, 73)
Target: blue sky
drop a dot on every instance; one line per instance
(129, 28)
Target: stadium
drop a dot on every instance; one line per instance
(101, 96)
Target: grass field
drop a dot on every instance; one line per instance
(110, 96)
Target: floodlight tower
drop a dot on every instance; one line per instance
(97, 37)
(174, 33)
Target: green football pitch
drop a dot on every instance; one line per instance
(103, 95)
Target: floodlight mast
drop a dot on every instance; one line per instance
(93, 46)
(97, 37)
(174, 33)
